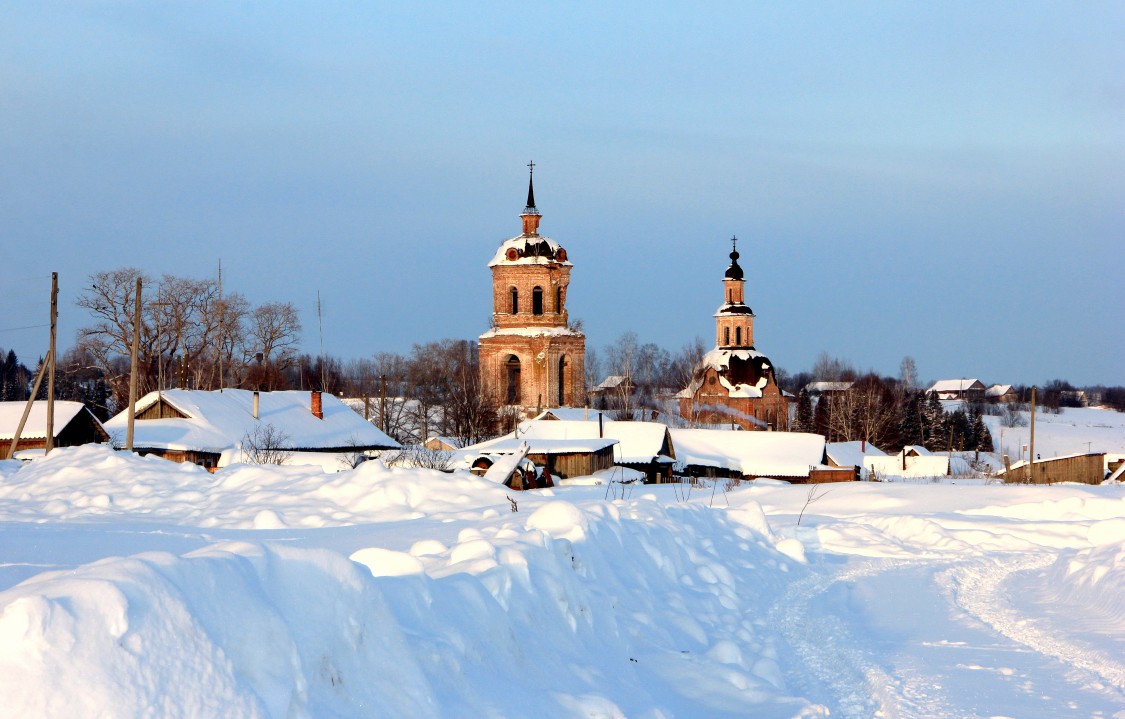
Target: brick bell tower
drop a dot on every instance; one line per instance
(530, 359)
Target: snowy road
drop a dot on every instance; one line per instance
(896, 638)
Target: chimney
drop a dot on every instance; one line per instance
(317, 410)
(256, 397)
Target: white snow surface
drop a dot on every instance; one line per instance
(137, 587)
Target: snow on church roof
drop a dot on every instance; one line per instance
(527, 245)
(218, 421)
(719, 360)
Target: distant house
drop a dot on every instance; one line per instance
(915, 461)
(816, 389)
(73, 425)
(644, 446)
(442, 444)
(957, 389)
(1087, 468)
(851, 455)
(563, 458)
(211, 428)
(796, 457)
(614, 385)
(1001, 393)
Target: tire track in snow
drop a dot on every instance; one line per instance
(975, 587)
(859, 686)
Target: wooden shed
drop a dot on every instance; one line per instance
(74, 425)
(1082, 468)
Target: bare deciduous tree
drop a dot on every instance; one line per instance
(266, 445)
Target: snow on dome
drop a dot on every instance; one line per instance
(529, 250)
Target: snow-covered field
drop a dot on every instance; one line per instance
(136, 587)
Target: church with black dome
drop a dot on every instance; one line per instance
(735, 383)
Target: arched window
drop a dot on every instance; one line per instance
(563, 367)
(738, 336)
(558, 299)
(537, 301)
(515, 301)
(726, 335)
(513, 371)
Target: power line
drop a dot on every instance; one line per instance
(25, 327)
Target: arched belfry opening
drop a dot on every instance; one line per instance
(515, 301)
(537, 301)
(564, 369)
(512, 371)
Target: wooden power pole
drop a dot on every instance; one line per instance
(1031, 459)
(133, 368)
(50, 444)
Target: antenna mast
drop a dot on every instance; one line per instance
(320, 320)
(222, 311)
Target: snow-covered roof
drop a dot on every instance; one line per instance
(612, 382)
(538, 445)
(821, 387)
(584, 414)
(956, 385)
(852, 453)
(561, 331)
(998, 390)
(526, 245)
(768, 454)
(639, 442)
(219, 420)
(36, 425)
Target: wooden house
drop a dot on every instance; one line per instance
(73, 425)
(958, 389)
(796, 457)
(216, 428)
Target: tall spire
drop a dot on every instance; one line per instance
(530, 215)
(530, 209)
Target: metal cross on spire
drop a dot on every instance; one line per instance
(531, 166)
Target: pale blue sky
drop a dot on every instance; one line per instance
(945, 181)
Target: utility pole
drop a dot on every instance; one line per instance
(222, 311)
(1031, 459)
(26, 411)
(383, 403)
(133, 368)
(50, 444)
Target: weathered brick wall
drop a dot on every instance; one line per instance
(539, 359)
(772, 407)
(553, 278)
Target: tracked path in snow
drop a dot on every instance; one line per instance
(834, 655)
(920, 639)
(976, 587)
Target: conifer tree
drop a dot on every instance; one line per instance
(982, 436)
(933, 423)
(803, 422)
(821, 420)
